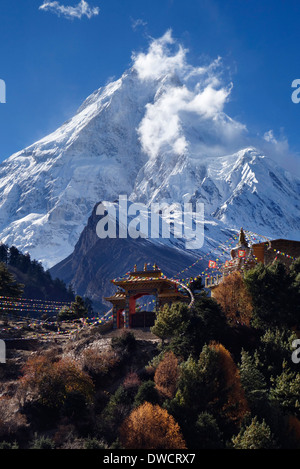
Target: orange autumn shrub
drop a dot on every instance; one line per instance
(151, 427)
(51, 382)
(166, 375)
(234, 299)
(236, 405)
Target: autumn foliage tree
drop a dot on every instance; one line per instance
(51, 382)
(167, 374)
(235, 406)
(234, 299)
(151, 427)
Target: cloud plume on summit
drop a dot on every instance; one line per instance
(192, 99)
(188, 97)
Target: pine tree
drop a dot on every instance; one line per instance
(275, 347)
(255, 436)
(188, 329)
(3, 253)
(275, 296)
(79, 308)
(285, 391)
(251, 377)
(207, 434)
(15, 256)
(170, 321)
(252, 381)
(8, 285)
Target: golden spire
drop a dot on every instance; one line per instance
(242, 238)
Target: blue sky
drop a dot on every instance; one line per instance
(51, 62)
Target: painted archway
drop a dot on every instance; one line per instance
(143, 283)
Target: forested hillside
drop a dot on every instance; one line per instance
(37, 282)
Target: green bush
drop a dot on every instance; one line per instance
(7, 445)
(42, 442)
(146, 393)
(207, 434)
(93, 443)
(188, 329)
(125, 343)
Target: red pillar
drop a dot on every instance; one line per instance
(120, 311)
(132, 302)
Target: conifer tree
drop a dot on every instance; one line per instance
(275, 296)
(8, 285)
(253, 381)
(251, 377)
(235, 407)
(285, 391)
(188, 329)
(78, 307)
(257, 435)
(3, 253)
(207, 432)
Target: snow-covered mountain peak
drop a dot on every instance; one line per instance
(158, 133)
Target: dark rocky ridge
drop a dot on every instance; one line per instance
(94, 262)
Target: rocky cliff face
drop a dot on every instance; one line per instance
(95, 262)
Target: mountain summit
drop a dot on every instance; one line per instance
(159, 133)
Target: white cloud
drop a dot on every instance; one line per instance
(269, 137)
(70, 12)
(189, 102)
(157, 61)
(278, 148)
(137, 23)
